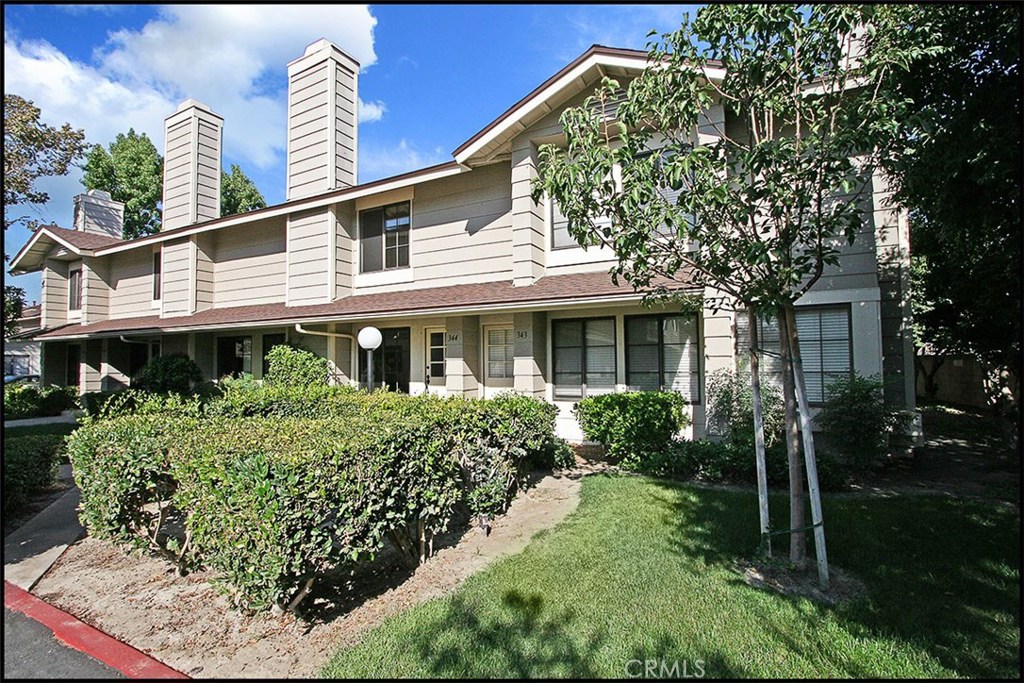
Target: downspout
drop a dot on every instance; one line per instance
(353, 356)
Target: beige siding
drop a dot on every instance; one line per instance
(249, 265)
(344, 249)
(322, 96)
(528, 233)
(191, 167)
(95, 290)
(131, 283)
(176, 273)
(204, 271)
(54, 293)
(461, 231)
(309, 239)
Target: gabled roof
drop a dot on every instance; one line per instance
(584, 71)
(548, 291)
(47, 236)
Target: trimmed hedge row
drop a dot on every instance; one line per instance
(279, 486)
(30, 464)
(24, 401)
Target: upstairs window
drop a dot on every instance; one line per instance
(384, 237)
(157, 285)
(75, 290)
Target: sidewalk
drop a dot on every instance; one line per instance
(41, 641)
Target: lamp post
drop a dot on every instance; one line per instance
(369, 338)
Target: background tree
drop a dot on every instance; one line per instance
(14, 303)
(958, 171)
(34, 150)
(756, 215)
(238, 193)
(132, 172)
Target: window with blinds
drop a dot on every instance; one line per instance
(662, 354)
(75, 289)
(584, 357)
(501, 354)
(825, 346)
(560, 237)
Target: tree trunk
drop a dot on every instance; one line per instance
(808, 442)
(762, 473)
(797, 518)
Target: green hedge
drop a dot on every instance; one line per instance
(30, 464)
(633, 426)
(22, 402)
(279, 485)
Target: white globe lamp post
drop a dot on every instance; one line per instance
(369, 338)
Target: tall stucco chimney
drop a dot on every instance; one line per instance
(192, 165)
(323, 88)
(95, 211)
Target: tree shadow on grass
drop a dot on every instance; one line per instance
(520, 638)
(942, 574)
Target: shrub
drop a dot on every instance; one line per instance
(24, 401)
(290, 366)
(121, 465)
(730, 408)
(175, 373)
(856, 423)
(93, 402)
(632, 426)
(271, 501)
(30, 464)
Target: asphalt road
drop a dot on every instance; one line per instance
(31, 651)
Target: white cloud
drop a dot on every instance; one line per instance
(381, 161)
(371, 111)
(617, 26)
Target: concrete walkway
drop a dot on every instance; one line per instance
(66, 417)
(32, 548)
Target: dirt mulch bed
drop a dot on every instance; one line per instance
(186, 624)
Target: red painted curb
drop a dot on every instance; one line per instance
(85, 638)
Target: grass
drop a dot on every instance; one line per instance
(642, 570)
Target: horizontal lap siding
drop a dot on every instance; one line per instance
(54, 293)
(176, 273)
(131, 284)
(344, 252)
(308, 257)
(205, 275)
(249, 265)
(461, 230)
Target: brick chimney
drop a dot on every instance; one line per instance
(192, 165)
(95, 211)
(322, 126)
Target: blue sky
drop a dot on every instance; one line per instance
(433, 75)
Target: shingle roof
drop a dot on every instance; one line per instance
(83, 240)
(578, 287)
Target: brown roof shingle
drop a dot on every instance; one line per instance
(81, 239)
(552, 288)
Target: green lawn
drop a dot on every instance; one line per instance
(642, 571)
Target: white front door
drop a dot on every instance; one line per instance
(434, 357)
(499, 359)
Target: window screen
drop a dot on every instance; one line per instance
(384, 237)
(825, 346)
(584, 357)
(75, 290)
(662, 354)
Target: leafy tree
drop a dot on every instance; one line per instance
(238, 193)
(34, 150)
(957, 168)
(132, 172)
(754, 210)
(14, 302)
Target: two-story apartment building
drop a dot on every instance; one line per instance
(477, 288)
